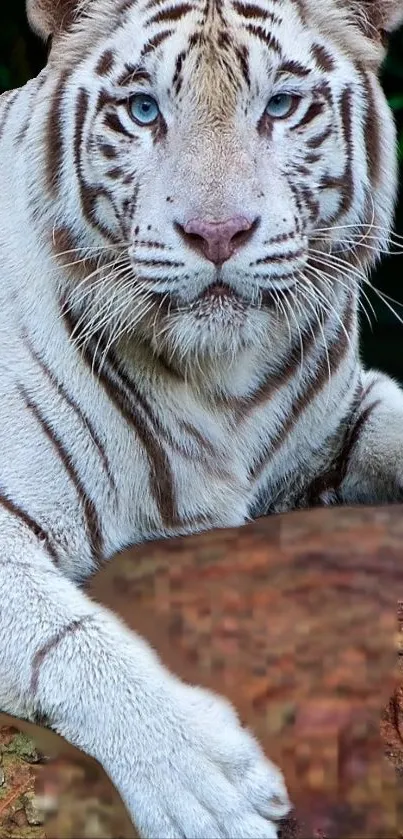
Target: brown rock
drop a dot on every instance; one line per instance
(294, 619)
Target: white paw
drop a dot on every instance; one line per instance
(204, 775)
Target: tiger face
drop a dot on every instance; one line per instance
(233, 159)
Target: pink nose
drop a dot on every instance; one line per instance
(217, 240)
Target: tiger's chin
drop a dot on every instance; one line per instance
(209, 333)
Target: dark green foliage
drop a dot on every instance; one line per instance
(383, 344)
(393, 77)
(22, 55)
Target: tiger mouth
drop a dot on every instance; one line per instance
(219, 292)
(219, 296)
(219, 299)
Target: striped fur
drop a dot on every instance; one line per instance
(149, 391)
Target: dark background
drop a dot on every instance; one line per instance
(22, 55)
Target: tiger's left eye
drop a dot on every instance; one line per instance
(281, 105)
(143, 109)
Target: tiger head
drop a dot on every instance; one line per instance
(231, 163)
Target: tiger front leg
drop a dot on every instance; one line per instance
(374, 466)
(177, 754)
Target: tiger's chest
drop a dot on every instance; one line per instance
(198, 472)
(189, 477)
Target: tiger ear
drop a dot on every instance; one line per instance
(377, 16)
(50, 17)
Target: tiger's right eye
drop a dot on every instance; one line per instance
(280, 106)
(143, 109)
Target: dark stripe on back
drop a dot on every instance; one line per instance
(132, 392)
(329, 365)
(93, 524)
(332, 479)
(60, 388)
(355, 433)
(161, 476)
(300, 349)
(161, 431)
(38, 531)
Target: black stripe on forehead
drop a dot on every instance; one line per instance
(293, 68)
(155, 42)
(172, 14)
(217, 46)
(105, 63)
(253, 11)
(265, 37)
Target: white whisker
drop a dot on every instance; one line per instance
(328, 263)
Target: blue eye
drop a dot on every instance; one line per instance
(280, 106)
(143, 108)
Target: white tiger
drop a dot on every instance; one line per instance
(192, 193)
